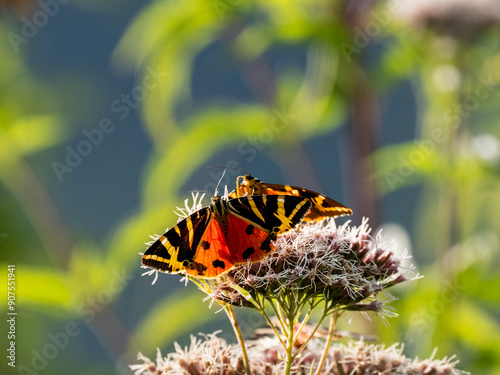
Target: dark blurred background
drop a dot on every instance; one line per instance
(111, 113)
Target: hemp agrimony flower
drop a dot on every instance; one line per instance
(339, 265)
(212, 355)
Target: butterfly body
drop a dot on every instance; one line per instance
(322, 206)
(228, 232)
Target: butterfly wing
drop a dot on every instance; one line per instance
(212, 256)
(322, 206)
(247, 241)
(273, 214)
(250, 225)
(176, 250)
(195, 246)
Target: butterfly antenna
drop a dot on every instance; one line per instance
(218, 183)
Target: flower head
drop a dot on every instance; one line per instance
(212, 355)
(207, 355)
(343, 265)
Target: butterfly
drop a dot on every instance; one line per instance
(212, 240)
(322, 206)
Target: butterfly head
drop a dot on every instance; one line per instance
(247, 183)
(218, 205)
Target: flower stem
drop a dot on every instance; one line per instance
(328, 342)
(272, 325)
(230, 313)
(279, 316)
(289, 351)
(304, 321)
(310, 336)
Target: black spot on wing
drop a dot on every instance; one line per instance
(248, 252)
(205, 245)
(267, 245)
(249, 229)
(219, 263)
(198, 267)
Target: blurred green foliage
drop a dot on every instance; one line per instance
(456, 226)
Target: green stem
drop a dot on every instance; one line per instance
(271, 323)
(311, 335)
(328, 343)
(280, 317)
(230, 313)
(289, 350)
(304, 321)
